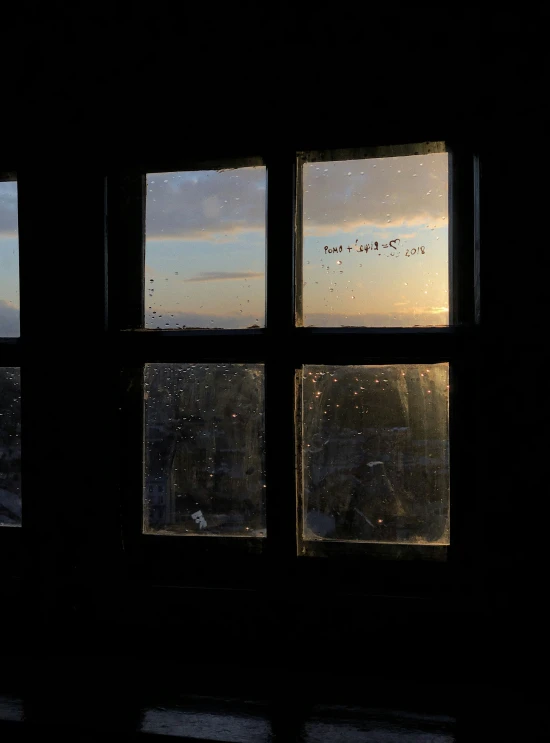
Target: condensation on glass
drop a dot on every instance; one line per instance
(375, 241)
(376, 453)
(204, 449)
(9, 261)
(206, 249)
(10, 446)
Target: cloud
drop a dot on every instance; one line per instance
(341, 196)
(9, 320)
(338, 196)
(8, 209)
(423, 219)
(194, 204)
(230, 235)
(225, 275)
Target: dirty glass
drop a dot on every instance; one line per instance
(375, 453)
(208, 719)
(375, 242)
(204, 449)
(9, 261)
(205, 249)
(10, 446)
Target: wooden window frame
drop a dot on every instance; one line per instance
(256, 563)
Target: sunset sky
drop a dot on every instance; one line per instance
(206, 246)
(9, 261)
(205, 251)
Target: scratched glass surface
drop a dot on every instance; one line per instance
(204, 449)
(376, 453)
(375, 242)
(9, 261)
(205, 249)
(10, 446)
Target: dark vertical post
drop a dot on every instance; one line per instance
(461, 235)
(281, 359)
(126, 240)
(65, 410)
(464, 455)
(477, 239)
(126, 202)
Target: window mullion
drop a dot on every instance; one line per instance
(126, 243)
(462, 235)
(281, 359)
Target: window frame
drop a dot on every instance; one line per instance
(239, 561)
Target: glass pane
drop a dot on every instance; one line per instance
(376, 453)
(10, 446)
(357, 212)
(9, 261)
(205, 249)
(204, 451)
(211, 719)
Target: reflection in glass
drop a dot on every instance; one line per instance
(10, 446)
(375, 242)
(205, 249)
(204, 451)
(376, 453)
(9, 261)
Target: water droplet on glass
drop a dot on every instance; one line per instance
(338, 263)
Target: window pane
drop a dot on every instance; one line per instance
(205, 249)
(376, 453)
(10, 446)
(375, 242)
(9, 261)
(204, 451)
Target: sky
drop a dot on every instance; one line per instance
(395, 209)
(205, 249)
(9, 261)
(206, 246)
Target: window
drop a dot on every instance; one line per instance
(296, 341)
(9, 259)
(10, 381)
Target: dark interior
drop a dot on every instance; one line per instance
(93, 633)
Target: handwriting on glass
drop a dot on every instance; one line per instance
(199, 519)
(392, 245)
